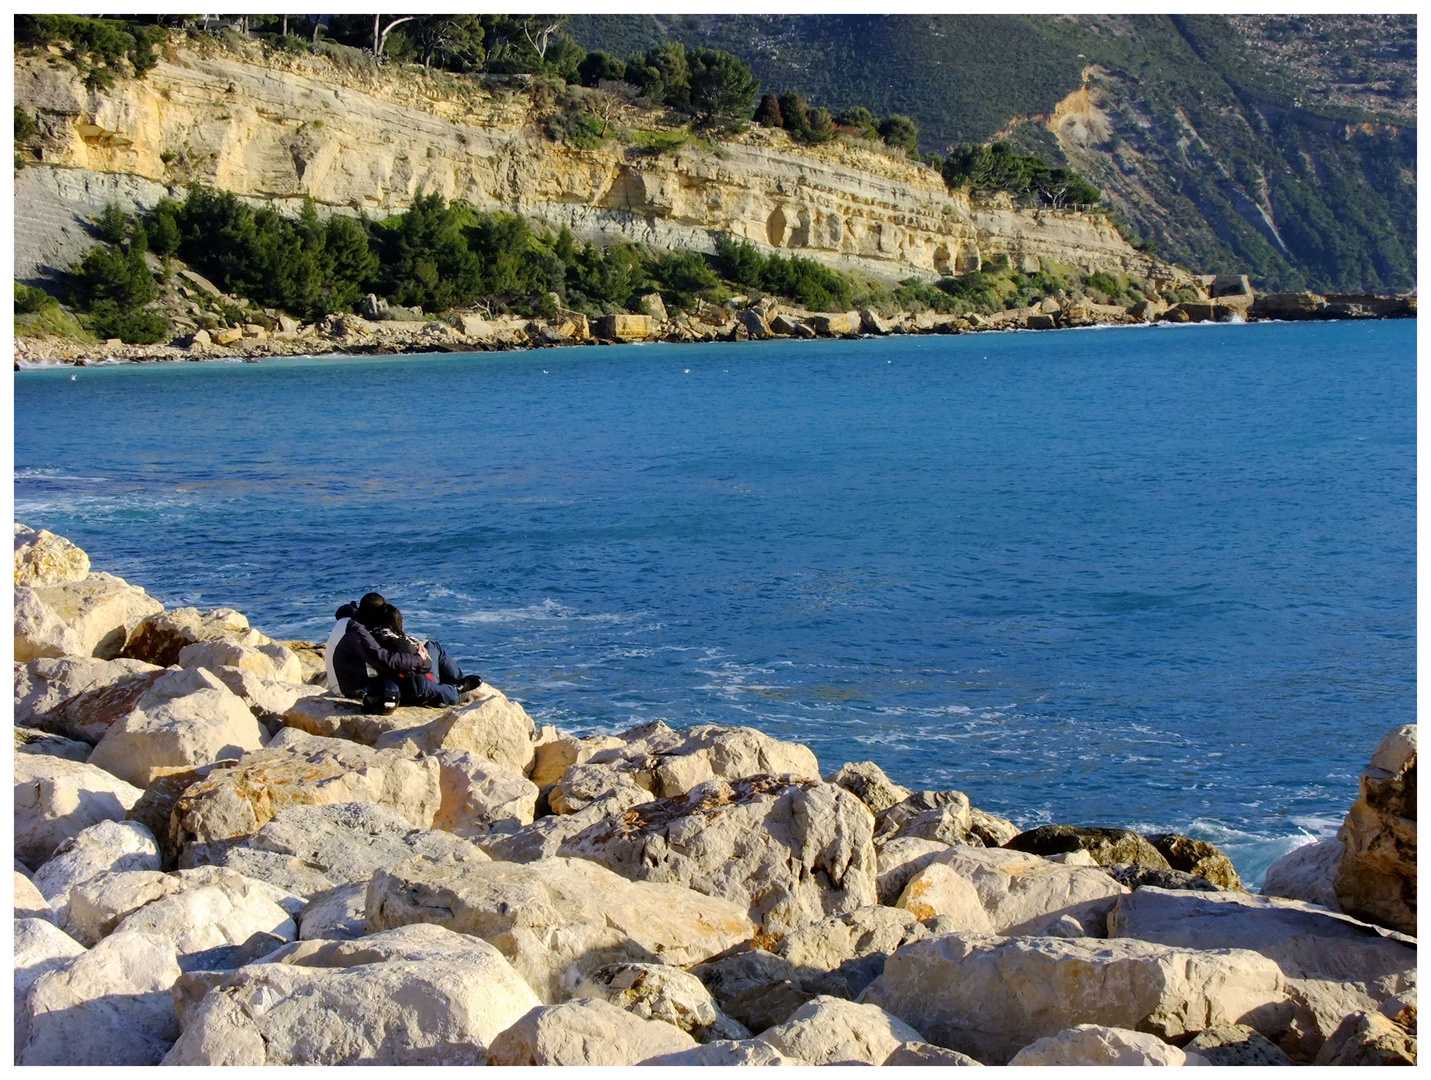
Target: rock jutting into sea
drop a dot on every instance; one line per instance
(217, 861)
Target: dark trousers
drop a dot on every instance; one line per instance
(420, 689)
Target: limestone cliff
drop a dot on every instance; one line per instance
(279, 127)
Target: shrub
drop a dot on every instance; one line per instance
(109, 320)
(901, 133)
(113, 224)
(108, 274)
(683, 277)
(29, 299)
(721, 87)
(25, 128)
(767, 113)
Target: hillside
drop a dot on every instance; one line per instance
(1281, 146)
(280, 128)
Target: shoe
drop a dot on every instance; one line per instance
(379, 704)
(468, 682)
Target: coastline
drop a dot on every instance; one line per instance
(341, 337)
(796, 913)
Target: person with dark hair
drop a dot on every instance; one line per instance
(438, 686)
(375, 672)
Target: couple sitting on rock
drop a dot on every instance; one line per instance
(372, 660)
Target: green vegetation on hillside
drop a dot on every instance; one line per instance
(439, 256)
(1231, 145)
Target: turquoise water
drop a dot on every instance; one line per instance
(1161, 578)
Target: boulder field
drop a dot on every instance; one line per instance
(218, 861)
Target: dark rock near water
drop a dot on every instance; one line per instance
(1109, 847)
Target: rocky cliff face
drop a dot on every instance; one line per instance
(277, 127)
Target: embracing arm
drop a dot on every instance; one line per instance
(401, 662)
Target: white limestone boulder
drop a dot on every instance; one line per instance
(491, 726)
(42, 558)
(1307, 873)
(480, 797)
(585, 1032)
(108, 1006)
(669, 763)
(991, 996)
(900, 859)
(757, 988)
(309, 849)
(1022, 894)
(555, 752)
(843, 954)
(98, 905)
(304, 770)
(106, 847)
(35, 741)
(419, 995)
(213, 908)
(543, 838)
(185, 718)
(56, 799)
(92, 617)
(1368, 1038)
(557, 920)
(338, 914)
(1377, 877)
(42, 685)
(40, 947)
(940, 890)
(30, 903)
(927, 1054)
(89, 714)
(1236, 1044)
(829, 1030)
(724, 1053)
(159, 638)
(868, 782)
(268, 699)
(662, 992)
(266, 661)
(790, 851)
(1092, 1044)
(342, 718)
(582, 785)
(1306, 942)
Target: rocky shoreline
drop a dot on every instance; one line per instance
(388, 330)
(219, 862)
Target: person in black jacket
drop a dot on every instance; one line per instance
(441, 684)
(373, 672)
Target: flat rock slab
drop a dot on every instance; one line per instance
(309, 849)
(789, 851)
(1306, 942)
(419, 995)
(557, 920)
(989, 997)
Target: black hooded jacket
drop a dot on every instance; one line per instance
(358, 650)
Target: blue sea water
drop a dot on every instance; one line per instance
(1157, 578)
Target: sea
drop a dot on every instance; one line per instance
(1155, 578)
